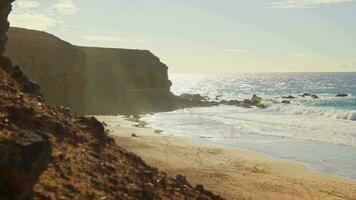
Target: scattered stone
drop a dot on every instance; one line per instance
(182, 179)
(140, 124)
(94, 154)
(286, 102)
(133, 135)
(158, 131)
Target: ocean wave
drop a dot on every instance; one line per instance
(280, 121)
(314, 111)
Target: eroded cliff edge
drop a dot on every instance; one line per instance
(125, 81)
(92, 80)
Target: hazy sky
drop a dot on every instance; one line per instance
(208, 36)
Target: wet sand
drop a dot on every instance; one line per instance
(230, 172)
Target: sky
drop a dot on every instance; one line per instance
(208, 36)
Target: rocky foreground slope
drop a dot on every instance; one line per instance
(47, 152)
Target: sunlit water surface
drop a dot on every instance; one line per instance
(318, 132)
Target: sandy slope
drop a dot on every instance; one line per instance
(232, 173)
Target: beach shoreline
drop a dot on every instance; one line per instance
(233, 173)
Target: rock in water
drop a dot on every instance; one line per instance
(289, 97)
(286, 102)
(306, 95)
(256, 100)
(314, 96)
(342, 95)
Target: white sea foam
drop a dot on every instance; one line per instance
(314, 111)
(282, 121)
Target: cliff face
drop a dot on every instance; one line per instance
(54, 64)
(92, 80)
(125, 81)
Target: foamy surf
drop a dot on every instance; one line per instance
(318, 131)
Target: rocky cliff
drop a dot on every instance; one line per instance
(125, 81)
(48, 152)
(54, 64)
(92, 80)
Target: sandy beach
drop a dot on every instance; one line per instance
(230, 172)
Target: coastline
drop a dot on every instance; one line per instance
(233, 173)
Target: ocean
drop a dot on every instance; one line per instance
(321, 133)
